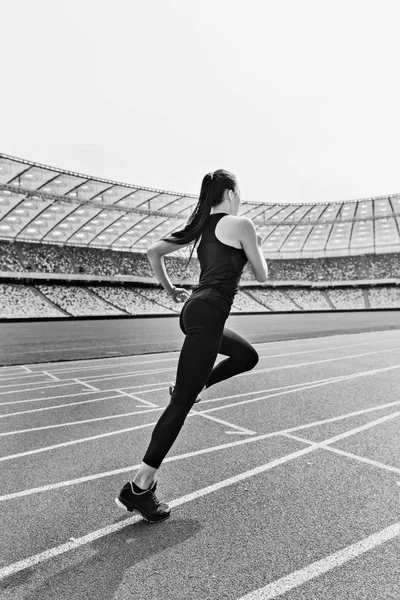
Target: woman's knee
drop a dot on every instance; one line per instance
(252, 359)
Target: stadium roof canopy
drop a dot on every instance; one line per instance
(48, 205)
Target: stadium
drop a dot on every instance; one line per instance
(73, 246)
(283, 482)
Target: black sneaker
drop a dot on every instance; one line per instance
(171, 391)
(146, 503)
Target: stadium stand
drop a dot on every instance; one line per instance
(23, 301)
(131, 300)
(246, 303)
(309, 299)
(94, 261)
(273, 299)
(9, 258)
(133, 263)
(59, 227)
(340, 268)
(346, 298)
(78, 301)
(382, 266)
(384, 297)
(47, 258)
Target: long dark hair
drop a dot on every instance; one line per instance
(211, 194)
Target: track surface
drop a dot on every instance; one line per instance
(284, 481)
(33, 342)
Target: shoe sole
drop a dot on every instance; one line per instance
(136, 510)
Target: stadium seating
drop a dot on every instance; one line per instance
(346, 298)
(309, 299)
(51, 258)
(23, 301)
(134, 301)
(273, 299)
(243, 302)
(9, 259)
(78, 301)
(47, 258)
(384, 297)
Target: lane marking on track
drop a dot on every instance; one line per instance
(50, 386)
(71, 545)
(207, 411)
(88, 385)
(100, 348)
(83, 422)
(246, 374)
(242, 430)
(306, 341)
(175, 358)
(211, 449)
(51, 376)
(20, 376)
(68, 405)
(145, 402)
(264, 370)
(318, 568)
(85, 393)
(299, 389)
(368, 461)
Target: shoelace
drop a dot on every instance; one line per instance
(155, 499)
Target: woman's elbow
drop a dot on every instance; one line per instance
(264, 277)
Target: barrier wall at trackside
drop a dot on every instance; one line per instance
(176, 315)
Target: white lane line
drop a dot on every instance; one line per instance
(131, 374)
(35, 389)
(368, 461)
(18, 379)
(120, 364)
(88, 385)
(72, 423)
(282, 387)
(256, 371)
(318, 568)
(26, 369)
(220, 421)
(268, 345)
(75, 442)
(67, 405)
(211, 449)
(388, 336)
(85, 393)
(63, 548)
(299, 389)
(297, 386)
(246, 374)
(207, 411)
(160, 360)
(145, 402)
(51, 376)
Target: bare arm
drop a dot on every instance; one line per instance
(251, 242)
(156, 254)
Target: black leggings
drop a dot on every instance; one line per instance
(205, 337)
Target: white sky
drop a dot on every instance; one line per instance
(299, 98)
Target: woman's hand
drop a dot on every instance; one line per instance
(179, 295)
(259, 239)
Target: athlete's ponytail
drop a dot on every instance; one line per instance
(211, 194)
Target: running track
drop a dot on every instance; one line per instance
(283, 483)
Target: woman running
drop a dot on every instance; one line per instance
(224, 243)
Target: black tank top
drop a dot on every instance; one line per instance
(221, 267)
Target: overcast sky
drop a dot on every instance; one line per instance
(299, 98)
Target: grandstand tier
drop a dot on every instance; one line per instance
(30, 301)
(44, 204)
(20, 257)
